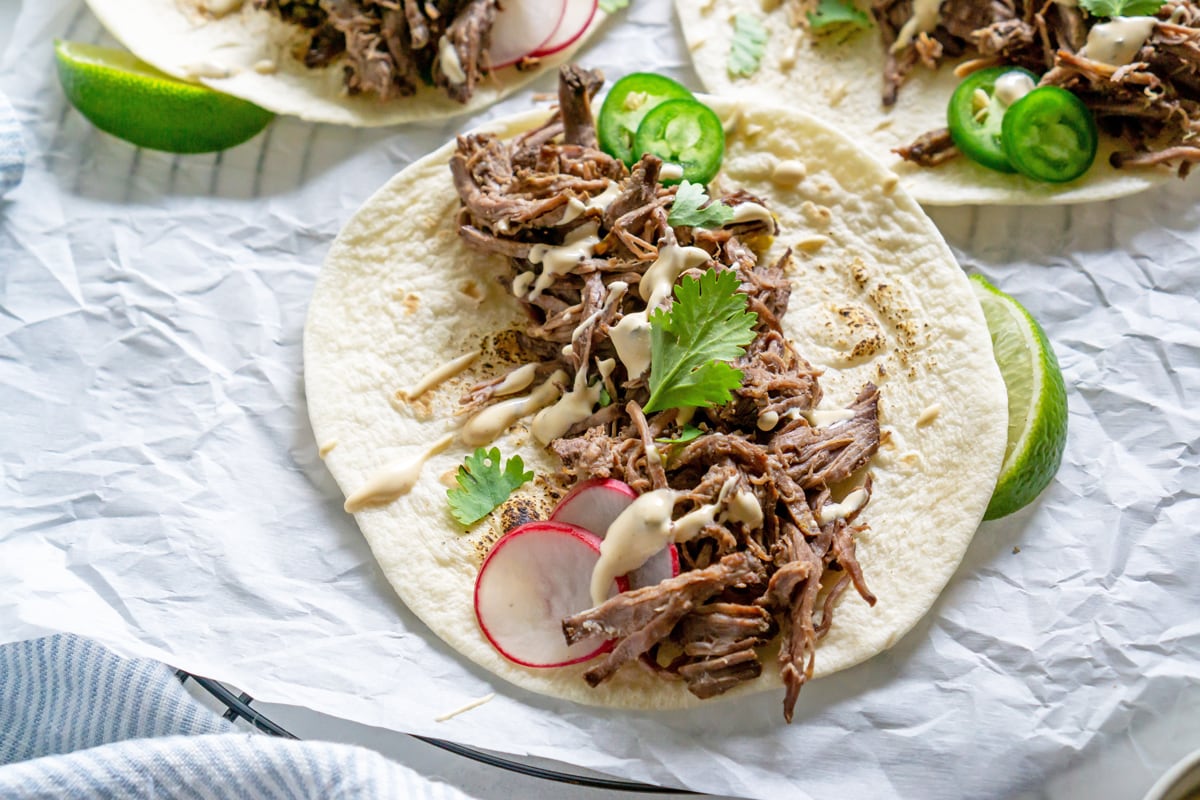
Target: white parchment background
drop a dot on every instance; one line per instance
(160, 488)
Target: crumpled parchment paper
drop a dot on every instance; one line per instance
(161, 491)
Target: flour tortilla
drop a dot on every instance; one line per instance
(842, 82)
(181, 39)
(877, 296)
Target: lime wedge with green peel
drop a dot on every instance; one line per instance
(130, 99)
(1037, 401)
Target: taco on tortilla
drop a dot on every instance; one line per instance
(820, 440)
(353, 62)
(886, 72)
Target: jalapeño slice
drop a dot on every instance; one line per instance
(976, 115)
(1050, 135)
(684, 132)
(627, 103)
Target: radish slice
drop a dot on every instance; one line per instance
(536, 575)
(523, 28)
(662, 565)
(594, 504)
(577, 16)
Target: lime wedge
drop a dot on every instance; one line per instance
(1037, 401)
(130, 99)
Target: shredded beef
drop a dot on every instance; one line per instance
(747, 578)
(389, 48)
(1152, 104)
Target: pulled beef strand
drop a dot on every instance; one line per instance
(746, 577)
(389, 48)
(1152, 104)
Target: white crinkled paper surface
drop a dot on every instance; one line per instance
(160, 488)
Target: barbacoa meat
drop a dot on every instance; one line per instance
(1152, 104)
(388, 48)
(748, 577)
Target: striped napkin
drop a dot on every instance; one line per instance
(76, 721)
(12, 149)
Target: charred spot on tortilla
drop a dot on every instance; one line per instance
(520, 509)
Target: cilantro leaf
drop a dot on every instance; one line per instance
(686, 434)
(609, 6)
(686, 210)
(1122, 8)
(690, 343)
(830, 15)
(483, 485)
(747, 47)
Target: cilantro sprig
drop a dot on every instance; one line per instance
(686, 208)
(692, 341)
(1122, 8)
(747, 46)
(833, 15)
(484, 485)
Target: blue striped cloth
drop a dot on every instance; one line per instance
(12, 149)
(76, 721)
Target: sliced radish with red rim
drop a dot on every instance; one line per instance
(662, 565)
(577, 16)
(536, 575)
(523, 28)
(594, 504)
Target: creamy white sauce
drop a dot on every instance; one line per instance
(751, 212)
(924, 19)
(744, 508)
(561, 259)
(394, 480)
(492, 421)
(575, 406)
(820, 417)
(603, 200)
(640, 531)
(606, 366)
(449, 64)
(1118, 41)
(850, 504)
(672, 260)
(670, 172)
(684, 414)
(220, 8)
(476, 703)
(1012, 86)
(521, 283)
(516, 381)
(265, 67)
(690, 525)
(438, 375)
(768, 420)
(575, 207)
(631, 338)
